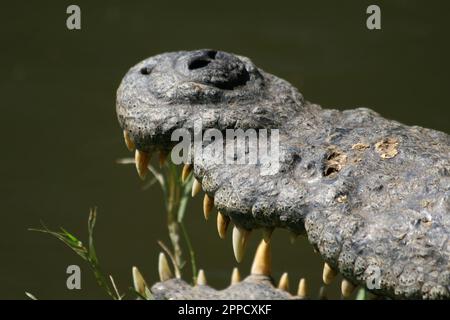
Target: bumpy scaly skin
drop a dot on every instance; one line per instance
(372, 194)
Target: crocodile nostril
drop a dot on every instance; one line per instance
(203, 60)
(211, 54)
(198, 63)
(146, 70)
(216, 68)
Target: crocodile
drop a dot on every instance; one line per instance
(371, 195)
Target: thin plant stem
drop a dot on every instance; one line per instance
(172, 222)
(191, 252)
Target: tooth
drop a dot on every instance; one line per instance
(262, 263)
(302, 288)
(163, 268)
(142, 158)
(267, 234)
(196, 187)
(128, 142)
(240, 237)
(292, 237)
(162, 158)
(187, 169)
(328, 274)
(347, 288)
(222, 224)
(138, 282)
(323, 293)
(208, 205)
(201, 278)
(284, 282)
(235, 276)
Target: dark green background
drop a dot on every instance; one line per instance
(60, 136)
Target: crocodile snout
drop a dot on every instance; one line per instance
(355, 182)
(224, 90)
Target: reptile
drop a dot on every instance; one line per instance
(371, 195)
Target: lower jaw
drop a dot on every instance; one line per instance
(258, 285)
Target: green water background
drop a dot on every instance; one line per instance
(61, 137)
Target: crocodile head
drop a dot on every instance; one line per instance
(372, 195)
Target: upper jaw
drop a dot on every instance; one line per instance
(224, 91)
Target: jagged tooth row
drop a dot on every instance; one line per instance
(240, 235)
(262, 262)
(262, 265)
